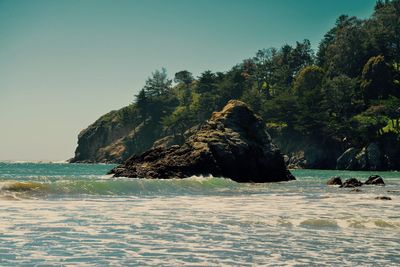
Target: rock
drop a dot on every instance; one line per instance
(351, 182)
(362, 160)
(375, 180)
(367, 158)
(383, 198)
(347, 160)
(334, 181)
(356, 190)
(296, 160)
(234, 143)
(114, 137)
(374, 157)
(168, 141)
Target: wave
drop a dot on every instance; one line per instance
(128, 186)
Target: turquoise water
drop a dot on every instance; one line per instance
(75, 215)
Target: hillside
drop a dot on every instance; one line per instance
(336, 107)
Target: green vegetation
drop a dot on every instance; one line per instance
(345, 94)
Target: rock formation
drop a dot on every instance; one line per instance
(352, 182)
(334, 181)
(114, 137)
(375, 180)
(234, 143)
(367, 158)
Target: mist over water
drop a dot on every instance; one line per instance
(73, 214)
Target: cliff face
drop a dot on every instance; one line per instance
(114, 137)
(234, 143)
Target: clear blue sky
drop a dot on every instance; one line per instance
(65, 63)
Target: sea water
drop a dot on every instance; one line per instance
(75, 215)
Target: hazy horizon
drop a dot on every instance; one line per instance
(66, 63)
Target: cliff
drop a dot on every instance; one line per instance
(233, 143)
(114, 137)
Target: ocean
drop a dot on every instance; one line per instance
(75, 215)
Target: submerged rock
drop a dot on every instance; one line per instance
(375, 180)
(383, 198)
(334, 181)
(351, 182)
(234, 143)
(356, 190)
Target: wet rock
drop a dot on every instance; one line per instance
(356, 190)
(383, 198)
(234, 143)
(351, 182)
(375, 180)
(334, 181)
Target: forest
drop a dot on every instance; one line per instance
(345, 94)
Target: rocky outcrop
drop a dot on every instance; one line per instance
(347, 160)
(351, 182)
(234, 143)
(171, 140)
(375, 180)
(383, 198)
(334, 181)
(114, 137)
(296, 160)
(366, 158)
(306, 152)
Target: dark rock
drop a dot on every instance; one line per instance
(367, 158)
(334, 181)
(347, 160)
(168, 141)
(296, 160)
(375, 180)
(234, 143)
(356, 190)
(351, 182)
(362, 160)
(383, 198)
(374, 157)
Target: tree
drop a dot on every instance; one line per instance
(342, 97)
(142, 103)
(184, 77)
(384, 30)
(158, 84)
(312, 116)
(367, 126)
(179, 121)
(343, 50)
(377, 79)
(309, 79)
(207, 82)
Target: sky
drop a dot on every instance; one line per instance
(64, 63)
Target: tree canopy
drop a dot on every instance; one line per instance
(347, 90)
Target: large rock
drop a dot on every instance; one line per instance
(374, 157)
(375, 180)
(114, 137)
(347, 160)
(366, 158)
(234, 143)
(334, 181)
(351, 182)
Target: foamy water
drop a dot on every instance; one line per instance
(67, 214)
